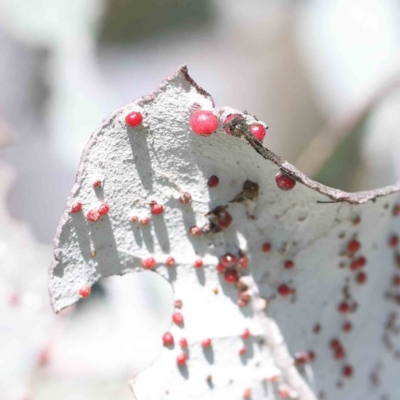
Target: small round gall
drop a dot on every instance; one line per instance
(178, 303)
(394, 241)
(149, 263)
(289, 264)
(284, 182)
(134, 119)
(228, 120)
(343, 307)
(181, 359)
(361, 277)
(144, 220)
(76, 207)
(224, 219)
(247, 394)
(185, 198)
(84, 292)
(206, 343)
(221, 268)
(44, 357)
(301, 358)
(228, 260)
(347, 371)
(168, 339)
(231, 276)
(266, 247)
(213, 181)
(177, 317)
(258, 131)
(183, 343)
(93, 215)
(133, 218)
(311, 356)
(358, 263)
(284, 290)
(243, 262)
(242, 351)
(198, 263)
(339, 353)
(396, 280)
(347, 326)
(156, 209)
(97, 183)
(195, 231)
(204, 123)
(353, 246)
(246, 334)
(170, 261)
(104, 208)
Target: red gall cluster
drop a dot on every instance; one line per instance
(97, 211)
(338, 350)
(257, 129)
(358, 263)
(227, 265)
(304, 357)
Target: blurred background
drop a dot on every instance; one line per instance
(323, 74)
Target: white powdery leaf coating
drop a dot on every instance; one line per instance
(26, 321)
(310, 225)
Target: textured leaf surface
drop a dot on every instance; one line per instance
(311, 226)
